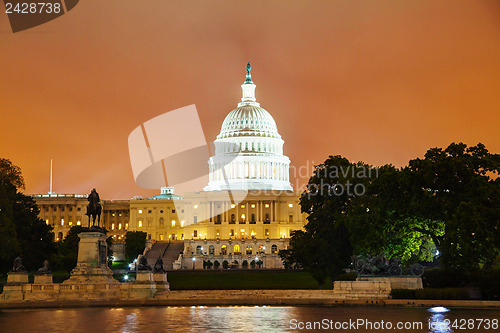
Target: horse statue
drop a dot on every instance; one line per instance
(94, 208)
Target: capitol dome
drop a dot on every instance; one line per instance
(248, 150)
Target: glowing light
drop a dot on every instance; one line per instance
(195, 206)
(290, 205)
(233, 205)
(125, 277)
(140, 211)
(194, 258)
(438, 309)
(140, 224)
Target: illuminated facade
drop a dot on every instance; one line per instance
(243, 217)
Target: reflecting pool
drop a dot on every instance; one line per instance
(250, 319)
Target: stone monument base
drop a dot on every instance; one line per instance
(160, 279)
(362, 289)
(17, 277)
(43, 278)
(397, 282)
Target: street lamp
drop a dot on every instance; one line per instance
(194, 259)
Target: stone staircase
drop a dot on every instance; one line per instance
(168, 251)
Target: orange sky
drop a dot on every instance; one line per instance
(378, 81)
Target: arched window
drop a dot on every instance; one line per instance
(223, 250)
(249, 249)
(199, 249)
(253, 218)
(161, 221)
(274, 248)
(59, 236)
(211, 250)
(236, 249)
(232, 218)
(266, 220)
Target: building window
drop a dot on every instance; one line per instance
(262, 249)
(119, 226)
(78, 222)
(249, 249)
(140, 224)
(290, 205)
(253, 218)
(211, 250)
(195, 233)
(267, 232)
(182, 223)
(70, 209)
(140, 211)
(161, 221)
(199, 249)
(62, 209)
(195, 206)
(126, 225)
(79, 209)
(195, 219)
(274, 248)
(231, 233)
(253, 206)
(161, 211)
(173, 223)
(233, 205)
(173, 211)
(218, 220)
(112, 226)
(149, 211)
(290, 218)
(266, 220)
(223, 250)
(242, 206)
(267, 205)
(62, 221)
(113, 214)
(232, 219)
(242, 219)
(161, 237)
(236, 249)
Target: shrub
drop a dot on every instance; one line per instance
(442, 293)
(346, 277)
(225, 264)
(403, 293)
(216, 264)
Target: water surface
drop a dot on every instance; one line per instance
(245, 319)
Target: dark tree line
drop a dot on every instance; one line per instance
(444, 206)
(22, 233)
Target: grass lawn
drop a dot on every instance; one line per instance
(242, 279)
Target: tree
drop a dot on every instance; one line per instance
(22, 233)
(135, 243)
(324, 247)
(459, 185)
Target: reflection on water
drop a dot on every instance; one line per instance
(242, 319)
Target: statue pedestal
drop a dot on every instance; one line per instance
(43, 278)
(92, 265)
(397, 282)
(15, 286)
(160, 279)
(144, 286)
(17, 278)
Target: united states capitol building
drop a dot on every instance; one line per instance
(241, 218)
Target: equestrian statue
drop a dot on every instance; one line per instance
(94, 208)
